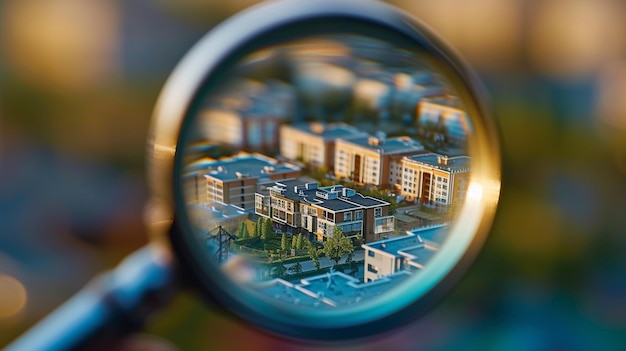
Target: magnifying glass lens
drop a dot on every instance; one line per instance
(332, 175)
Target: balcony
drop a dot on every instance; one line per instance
(384, 224)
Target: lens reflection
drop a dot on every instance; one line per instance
(325, 172)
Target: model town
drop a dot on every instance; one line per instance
(330, 213)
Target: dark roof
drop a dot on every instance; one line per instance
(338, 205)
(367, 201)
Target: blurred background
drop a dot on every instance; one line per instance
(78, 82)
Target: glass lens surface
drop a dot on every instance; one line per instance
(328, 172)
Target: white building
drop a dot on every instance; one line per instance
(406, 253)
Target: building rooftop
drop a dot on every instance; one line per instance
(245, 166)
(451, 164)
(412, 240)
(432, 235)
(337, 205)
(335, 197)
(285, 291)
(367, 201)
(388, 146)
(418, 256)
(329, 131)
(333, 289)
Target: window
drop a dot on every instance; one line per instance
(347, 216)
(372, 269)
(371, 253)
(378, 212)
(358, 214)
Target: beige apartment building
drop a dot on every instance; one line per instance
(373, 160)
(445, 112)
(314, 143)
(435, 179)
(247, 115)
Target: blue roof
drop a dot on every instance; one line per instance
(415, 238)
(248, 166)
(389, 146)
(453, 164)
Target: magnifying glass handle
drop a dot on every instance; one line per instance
(110, 306)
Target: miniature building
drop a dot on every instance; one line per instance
(314, 143)
(248, 115)
(434, 178)
(233, 180)
(329, 290)
(373, 160)
(445, 113)
(298, 207)
(405, 253)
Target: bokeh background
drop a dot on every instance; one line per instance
(79, 79)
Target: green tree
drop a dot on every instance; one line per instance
(314, 253)
(299, 242)
(243, 231)
(283, 242)
(337, 246)
(258, 227)
(294, 242)
(268, 232)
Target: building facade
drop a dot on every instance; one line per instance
(406, 253)
(314, 143)
(373, 160)
(233, 180)
(247, 115)
(298, 207)
(435, 179)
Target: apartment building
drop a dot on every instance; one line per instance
(435, 179)
(314, 143)
(406, 253)
(445, 112)
(297, 207)
(247, 115)
(374, 159)
(233, 180)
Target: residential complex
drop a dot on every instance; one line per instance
(434, 178)
(373, 159)
(233, 180)
(406, 253)
(298, 207)
(314, 143)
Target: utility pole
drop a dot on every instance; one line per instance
(223, 239)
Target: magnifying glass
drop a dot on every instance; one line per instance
(324, 170)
